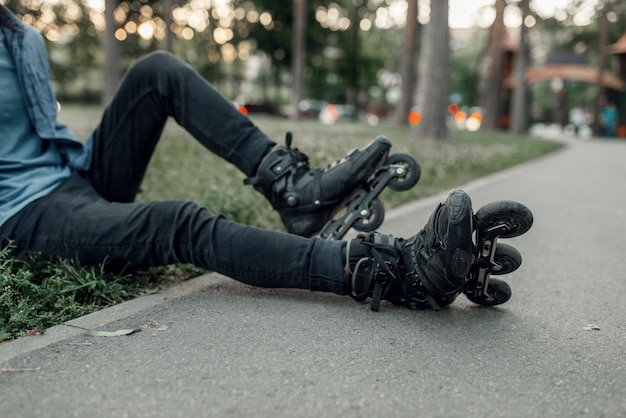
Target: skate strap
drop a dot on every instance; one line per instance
(291, 160)
(255, 181)
(382, 281)
(376, 297)
(431, 301)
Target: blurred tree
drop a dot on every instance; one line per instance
(112, 67)
(298, 43)
(519, 106)
(72, 57)
(575, 31)
(407, 62)
(272, 33)
(167, 6)
(493, 76)
(601, 98)
(434, 78)
(464, 77)
(349, 62)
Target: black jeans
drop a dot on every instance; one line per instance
(92, 217)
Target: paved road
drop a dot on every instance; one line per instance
(217, 348)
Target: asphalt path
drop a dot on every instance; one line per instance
(213, 347)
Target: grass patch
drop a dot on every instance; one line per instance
(36, 294)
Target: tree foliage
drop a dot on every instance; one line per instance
(71, 56)
(349, 44)
(339, 61)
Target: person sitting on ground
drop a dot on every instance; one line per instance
(60, 197)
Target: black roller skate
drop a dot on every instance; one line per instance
(307, 199)
(502, 219)
(426, 270)
(364, 212)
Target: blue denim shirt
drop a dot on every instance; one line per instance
(28, 50)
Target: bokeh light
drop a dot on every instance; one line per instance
(473, 121)
(460, 118)
(414, 118)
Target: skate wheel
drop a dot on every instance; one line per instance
(372, 218)
(517, 216)
(507, 257)
(498, 292)
(410, 172)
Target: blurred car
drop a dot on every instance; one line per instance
(332, 113)
(248, 106)
(311, 109)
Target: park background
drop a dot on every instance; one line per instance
(511, 63)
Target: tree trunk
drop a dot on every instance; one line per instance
(112, 71)
(434, 81)
(519, 107)
(600, 97)
(167, 18)
(352, 92)
(408, 59)
(492, 83)
(298, 54)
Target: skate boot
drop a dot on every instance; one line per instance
(426, 270)
(306, 199)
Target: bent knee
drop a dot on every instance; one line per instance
(158, 63)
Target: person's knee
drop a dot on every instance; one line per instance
(158, 63)
(159, 59)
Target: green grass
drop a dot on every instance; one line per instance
(36, 294)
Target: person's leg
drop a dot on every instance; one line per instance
(74, 222)
(159, 86)
(426, 270)
(155, 88)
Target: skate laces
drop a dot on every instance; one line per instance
(287, 162)
(300, 168)
(301, 160)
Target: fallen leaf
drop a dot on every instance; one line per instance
(16, 370)
(112, 333)
(34, 331)
(591, 328)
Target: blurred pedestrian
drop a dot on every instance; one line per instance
(577, 118)
(608, 119)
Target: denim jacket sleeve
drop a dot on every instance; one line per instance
(31, 60)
